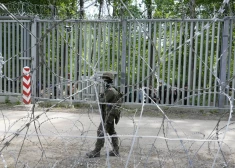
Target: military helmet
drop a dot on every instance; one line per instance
(108, 75)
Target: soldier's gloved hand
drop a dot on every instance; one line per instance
(117, 119)
(117, 116)
(101, 95)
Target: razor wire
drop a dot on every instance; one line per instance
(134, 136)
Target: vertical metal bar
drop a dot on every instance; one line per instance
(233, 81)
(184, 65)
(9, 56)
(211, 62)
(53, 62)
(190, 61)
(34, 59)
(18, 55)
(200, 64)
(169, 64)
(159, 89)
(94, 48)
(85, 50)
(205, 67)
(223, 62)
(154, 45)
(89, 57)
(80, 61)
(40, 52)
(123, 66)
(99, 44)
(85, 60)
(173, 90)
(66, 61)
(134, 65)
(118, 59)
(109, 46)
(195, 64)
(21, 49)
(94, 54)
(22, 54)
(44, 59)
(113, 45)
(143, 57)
(62, 62)
(71, 65)
(216, 63)
(48, 61)
(164, 64)
(58, 93)
(149, 59)
(5, 56)
(26, 35)
(229, 58)
(1, 32)
(104, 48)
(76, 61)
(39, 83)
(28, 43)
(13, 57)
(179, 92)
(138, 69)
(25, 45)
(127, 88)
(37, 60)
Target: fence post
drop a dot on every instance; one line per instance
(34, 59)
(26, 85)
(223, 60)
(123, 61)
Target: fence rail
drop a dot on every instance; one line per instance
(179, 62)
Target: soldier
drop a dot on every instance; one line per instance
(110, 114)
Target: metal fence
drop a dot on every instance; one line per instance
(15, 49)
(179, 62)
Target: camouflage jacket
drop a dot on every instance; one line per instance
(110, 95)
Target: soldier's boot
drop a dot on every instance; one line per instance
(96, 152)
(93, 154)
(115, 151)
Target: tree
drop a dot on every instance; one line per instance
(163, 9)
(82, 13)
(61, 8)
(101, 2)
(148, 4)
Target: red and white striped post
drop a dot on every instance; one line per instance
(26, 86)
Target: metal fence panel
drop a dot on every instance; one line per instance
(190, 44)
(82, 49)
(15, 49)
(176, 61)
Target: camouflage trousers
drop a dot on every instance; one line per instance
(109, 128)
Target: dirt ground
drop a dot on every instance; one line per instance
(62, 136)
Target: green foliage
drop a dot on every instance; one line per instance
(165, 9)
(152, 9)
(7, 100)
(135, 11)
(18, 103)
(184, 9)
(42, 8)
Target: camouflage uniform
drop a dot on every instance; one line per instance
(110, 114)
